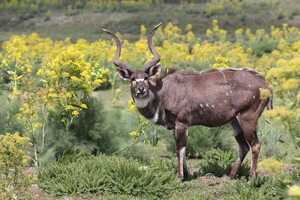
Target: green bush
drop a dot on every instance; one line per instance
(139, 151)
(219, 162)
(216, 162)
(93, 132)
(8, 110)
(109, 174)
(260, 188)
(265, 45)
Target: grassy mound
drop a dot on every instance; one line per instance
(110, 175)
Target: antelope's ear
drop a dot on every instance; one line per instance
(125, 73)
(153, 70)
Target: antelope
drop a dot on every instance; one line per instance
(181, 99)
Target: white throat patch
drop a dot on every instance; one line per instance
(155, 118)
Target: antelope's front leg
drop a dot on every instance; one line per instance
(181, 139)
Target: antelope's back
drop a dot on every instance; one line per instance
(216, 94)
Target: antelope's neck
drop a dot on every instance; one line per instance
(153, 111)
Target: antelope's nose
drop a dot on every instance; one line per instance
(141, 90)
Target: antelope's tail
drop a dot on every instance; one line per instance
(270, 100)
(270, 103)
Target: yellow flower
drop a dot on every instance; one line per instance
(135, 134)
(131, 105)
(190, 36)
(294, 191)
(143, 30)
(189, 27)
(270, 166)
(75, 113)
(221, 62)
(291, 84)
(37, 125)
(69, 107)
(280, 112)
(264, 93)
(83, 105)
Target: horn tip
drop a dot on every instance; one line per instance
(158, 25)
(105, 30)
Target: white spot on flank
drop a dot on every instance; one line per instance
(201, 105)
(213, 106)
(207, 105)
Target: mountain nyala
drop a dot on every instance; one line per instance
(180, 99)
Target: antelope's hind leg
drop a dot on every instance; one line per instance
(248, 122)
(250, 135)
(243, 147)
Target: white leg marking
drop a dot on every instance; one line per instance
(182, 159)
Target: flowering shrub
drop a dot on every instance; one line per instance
(215, 7)
(51, 79)
(270, 166)
(13, 160)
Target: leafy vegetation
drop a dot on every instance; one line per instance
(260, 188)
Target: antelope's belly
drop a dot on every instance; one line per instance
(210, 116)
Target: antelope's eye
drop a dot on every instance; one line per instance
(146, 78)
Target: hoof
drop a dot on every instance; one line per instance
(186, 177)
(253, 174)
(183, 178)
(232, 175)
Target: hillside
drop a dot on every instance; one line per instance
(86, 21)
